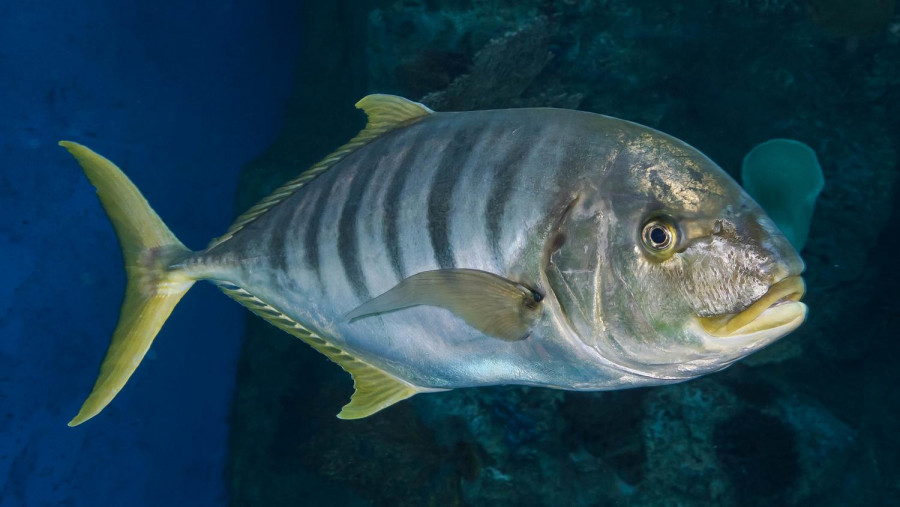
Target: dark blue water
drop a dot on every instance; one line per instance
(213, 104)
(180, 96)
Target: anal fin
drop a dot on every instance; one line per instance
(374, 389)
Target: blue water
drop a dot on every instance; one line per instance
(192, 98)
(180, 95)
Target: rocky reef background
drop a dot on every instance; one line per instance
(813, 419)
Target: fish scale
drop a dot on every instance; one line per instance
(470, 204)
(371, 235)
(456, 154)
(393, 200)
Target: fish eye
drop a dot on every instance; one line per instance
(658, 235)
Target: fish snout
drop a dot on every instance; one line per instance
(778, 266)
(784, 260)
(760, 233)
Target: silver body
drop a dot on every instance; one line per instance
(484, 190)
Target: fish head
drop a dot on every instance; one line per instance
(668, 268)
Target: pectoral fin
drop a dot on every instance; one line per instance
(489, 303)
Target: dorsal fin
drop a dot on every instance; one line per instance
(385, 113)
(374, 389)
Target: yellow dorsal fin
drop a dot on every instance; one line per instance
(374, 388)
(385, 113)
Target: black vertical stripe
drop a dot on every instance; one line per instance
(455, 155)
(311, 239)
(279, 233)
(505, 171)
(348, 242)
(392, 204)
(277, 250)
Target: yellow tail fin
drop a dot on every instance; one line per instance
(154, 288)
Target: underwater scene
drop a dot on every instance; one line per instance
(498, 252)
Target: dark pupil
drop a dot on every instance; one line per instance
(658, 236)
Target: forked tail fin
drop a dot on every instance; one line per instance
(154, 287)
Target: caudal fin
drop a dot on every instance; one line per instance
(154, 287)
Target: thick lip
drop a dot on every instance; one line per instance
(777, 307)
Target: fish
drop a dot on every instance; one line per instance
(442, 250)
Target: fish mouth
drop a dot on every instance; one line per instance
(779, 307)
